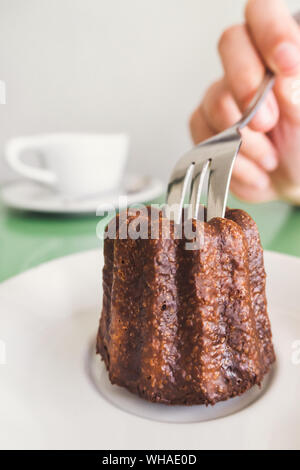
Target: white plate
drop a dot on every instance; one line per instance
(49, 389)
(27, 195)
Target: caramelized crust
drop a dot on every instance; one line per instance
(185, 326)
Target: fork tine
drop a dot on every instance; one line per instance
(200, 171)
(218, 185)
(177, 191)
(220, 151)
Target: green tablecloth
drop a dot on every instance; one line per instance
(27, 239)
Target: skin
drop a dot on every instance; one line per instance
(268, 165)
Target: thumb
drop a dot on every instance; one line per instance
(287, 91)
(285, 61)
(276, 35)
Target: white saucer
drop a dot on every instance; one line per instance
(54, 393)
(28, 195)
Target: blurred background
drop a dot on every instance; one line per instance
(137, 66)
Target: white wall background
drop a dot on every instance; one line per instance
(139, 66)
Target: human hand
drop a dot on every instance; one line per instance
(268, 164)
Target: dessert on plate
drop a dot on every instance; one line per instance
(186, 326)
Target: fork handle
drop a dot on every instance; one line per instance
(264, 88)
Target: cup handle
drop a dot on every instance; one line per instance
(13, 153)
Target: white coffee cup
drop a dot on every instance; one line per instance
(76, 164)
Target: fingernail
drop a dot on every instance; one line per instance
(287, 57)
(265, 114)
(269, 162)
(262, 182)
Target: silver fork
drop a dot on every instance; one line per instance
(213, 157)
